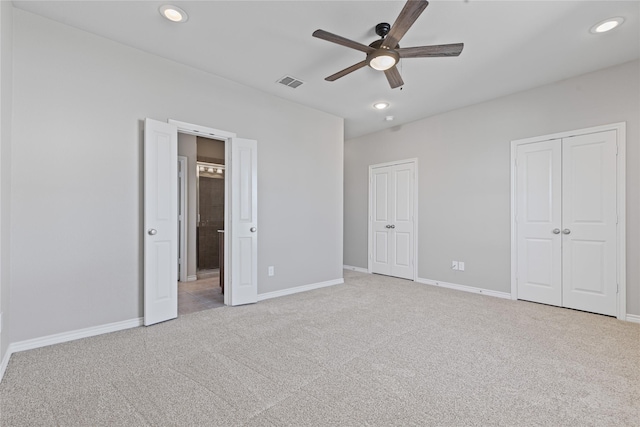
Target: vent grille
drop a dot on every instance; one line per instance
(292, 82)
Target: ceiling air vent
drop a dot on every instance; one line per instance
(292, 82)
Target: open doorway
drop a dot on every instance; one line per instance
(160, 255)
(201, 253)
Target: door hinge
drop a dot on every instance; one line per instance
(617, 288)
(515, 163)
(616, 148)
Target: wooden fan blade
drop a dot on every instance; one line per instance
(334, 38)
(393, 75)
(346, 71)
(431, 51)
(410, 12)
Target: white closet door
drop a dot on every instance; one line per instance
(381, 203)
(589, 223)
(392, 202)
(538, 222)
(401, 241)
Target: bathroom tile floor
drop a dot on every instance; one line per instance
(199, 295)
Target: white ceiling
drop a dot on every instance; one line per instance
(510, 46)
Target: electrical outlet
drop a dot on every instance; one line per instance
(460, 265)
(271, 270)
(454, 265)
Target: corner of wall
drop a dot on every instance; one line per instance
(6, 102)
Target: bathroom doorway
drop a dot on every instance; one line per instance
(205, 212)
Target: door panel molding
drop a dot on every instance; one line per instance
(620, 244)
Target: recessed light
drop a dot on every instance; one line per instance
(380, 105)
(606, 25)
(388, 118)
(173, 13)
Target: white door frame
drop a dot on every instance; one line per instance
(225, 136)
(182, 224)
(414, 257)
(621, 141)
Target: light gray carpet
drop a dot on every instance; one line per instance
(375, 351)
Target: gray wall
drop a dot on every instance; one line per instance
(464, 174)
(6, 36)
(79, 102)
(188, 147)
(210, 148)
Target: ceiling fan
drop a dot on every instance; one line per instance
(384, 54)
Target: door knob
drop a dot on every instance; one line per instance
(566, 231)
(253, 229)
(152, 232)
(387, 226)
(556, 231)
(392, 226)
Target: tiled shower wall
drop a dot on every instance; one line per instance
(211, 220)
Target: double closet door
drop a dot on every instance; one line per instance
(392, 220)
(566, 222)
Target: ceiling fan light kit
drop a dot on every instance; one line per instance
(385, 53)
(381, 60)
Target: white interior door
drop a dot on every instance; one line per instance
(392, 220)
(539, 222)
(243, 279)
(160, 222)
(589, 222)
(566, 222)
(381, 219)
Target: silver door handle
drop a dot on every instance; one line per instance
(253, 229)
(387, 226)
(392, 226)
(152, 232)
(566, 231)
(556, 231)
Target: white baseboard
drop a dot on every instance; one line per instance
(298, 289)
(74, 335)
(358, 269)
(4, 363)
(634, 318)
(192, 278)
(65, 337)
(465, 288)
